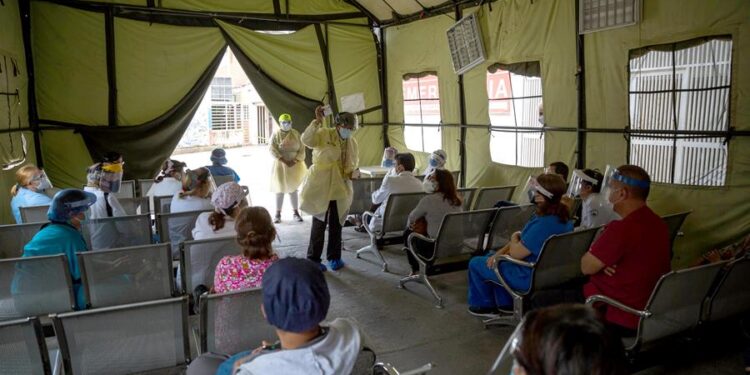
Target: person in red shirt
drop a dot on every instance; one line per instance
(631, 254)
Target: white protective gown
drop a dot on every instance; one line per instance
(287, 145)
(334, 159)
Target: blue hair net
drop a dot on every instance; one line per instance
(69, 202)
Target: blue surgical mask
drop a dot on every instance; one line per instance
(387, 163)
(345, 133)
(433, 163)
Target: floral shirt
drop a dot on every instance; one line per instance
(236, 272)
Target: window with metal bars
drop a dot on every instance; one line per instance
(679, 94)
(227, 116)
(422, 106)
(515, 101)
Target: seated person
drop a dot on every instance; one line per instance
(403, 181)
(295, 302)
(62, 235)
(218, 165)
(426, 218)
(197, 187)
(569, 337)
(169, 180)
(559, 168)
(551, 218)
(28, 190)
(255, 234)
(103, 179)
(732, 251)
(436, 161)
(228, 200)
(389, 157)
(595, 208)
(630, 256)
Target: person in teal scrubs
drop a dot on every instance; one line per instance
(62, 235)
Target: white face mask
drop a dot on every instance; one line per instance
(286, 125)
(429, 186)
(541, 119)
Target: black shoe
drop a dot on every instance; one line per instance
(277, 219)
(360, 229)
(297, 217)
(484, 312)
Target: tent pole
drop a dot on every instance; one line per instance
(383, 76)
(323, 43)
(462, 111)
(24, 7)
(109, 33)
(581, 75)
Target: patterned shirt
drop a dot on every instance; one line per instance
(236, 272)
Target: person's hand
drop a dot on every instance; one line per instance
(319, 113)
(567, 202)
(491, 260)
(610, 271)
(355, 174)
(291, 163)
(515, 237)
(712, 256)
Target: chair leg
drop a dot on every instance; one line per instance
(373, 248)
(429, 286)
(421, 278)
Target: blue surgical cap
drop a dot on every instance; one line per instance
(295, 295)
(69, 202)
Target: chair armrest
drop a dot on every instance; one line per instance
(503, 282)
(413, 237)
(612, 302)
(518, 262)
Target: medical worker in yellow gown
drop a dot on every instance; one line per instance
(327, 191)
(289, 168)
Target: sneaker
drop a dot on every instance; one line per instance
(484, 312)
(297, 217)
(322, 267)
(277, 219)
(360, 229)
(336, 264)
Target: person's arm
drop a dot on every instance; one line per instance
(301, 151)
(419, 211)
(310, 136)
(605, 252)
(517, 250)
(275, 148)
(590, 264)
(379, 196)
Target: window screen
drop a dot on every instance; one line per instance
(221, 89)
(683, 87)
(422, 106)
(515, 99)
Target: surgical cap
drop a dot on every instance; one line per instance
(227, 196)
(68, 203)
(295, 295)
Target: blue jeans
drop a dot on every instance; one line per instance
(484, 294)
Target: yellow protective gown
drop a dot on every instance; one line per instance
(328, 179)
(287, 145)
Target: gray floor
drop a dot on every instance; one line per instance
(406, 329)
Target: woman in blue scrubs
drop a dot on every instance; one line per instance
(30, 183)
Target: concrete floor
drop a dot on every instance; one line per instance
(403, 325)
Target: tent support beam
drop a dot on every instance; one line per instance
(323, 42)
(581, 76)
(109, 34)
(462, 112)
(364, 10)
(383, 77)
(24, 8)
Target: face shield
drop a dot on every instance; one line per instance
(533, 187)
(286, 125)
(612, 174)
(68, 203)
(111, 177)
(348, 123)
(389, 157)
(577, 182)
(505, 362)
(41, 181)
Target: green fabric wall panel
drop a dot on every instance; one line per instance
(294, 60)
(11, 46)
(70, 63)
(318, 7)
(65, 158)
(157, 64)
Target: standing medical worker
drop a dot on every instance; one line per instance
(327, 191)
(288, 166)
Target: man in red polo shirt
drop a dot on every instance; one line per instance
(631, 254)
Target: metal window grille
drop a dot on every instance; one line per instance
(227, 116)
(221, 89)
(596, 15)
(681, 87)
(422, 106)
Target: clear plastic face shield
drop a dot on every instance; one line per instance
(286, 125)
(111, 177)
(578, 181)
(41, 181)
(533, 187)
(347, 123)
(505, 362)
(389, 157)
(614, 181)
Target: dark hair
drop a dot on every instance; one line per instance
(202, 188)
(596, 175)
(561, 169)
(255, 232)
(218, 219)
(111, 157)
(569, 339)
(637, 173)
(406, 160)
(447, 186)
(552, 206)
(169, 168)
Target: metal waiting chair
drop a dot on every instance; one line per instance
(488, 197)
(362, 193)
(125, 339)
(162, 204)
(460, 236)
(467, 197)
(144, 185)
(503, 364)
(508, 220)
(127, 275)
(136, 206)
(177, 227)
(395, 217)
(381, 368)
(118, 231)
(232, 322)
(34, 214)
(127, 189)
(675, 305)
(35, 286)
(731, 297)
(14, 237)
(23, 349)
(674, 223)
(220, 180)
(559, 263)
(198, 260)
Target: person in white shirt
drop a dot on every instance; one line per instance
(595, 208)
(228, 200)
(436, 161)
(103, 180)
(402, 182)
(197, 187)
